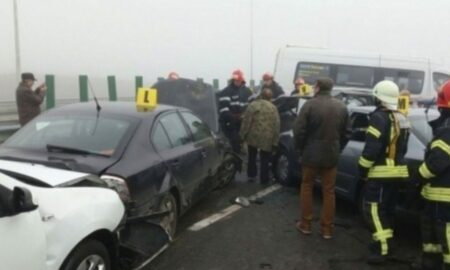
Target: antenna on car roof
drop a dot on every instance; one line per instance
(98, 106)
(95, 97)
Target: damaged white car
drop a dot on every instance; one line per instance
(58, 219)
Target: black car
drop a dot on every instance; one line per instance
(161, 161)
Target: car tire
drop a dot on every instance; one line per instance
(170, 221)
(89, 254)
(228, 173)
(283, 169)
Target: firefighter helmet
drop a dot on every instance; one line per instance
(387, 92)
(443, 98)
(238, 75)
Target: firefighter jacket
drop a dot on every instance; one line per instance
(435, 170)
(233, 101)
(386, 146)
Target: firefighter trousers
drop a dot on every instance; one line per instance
(379, 205)
(435, 230)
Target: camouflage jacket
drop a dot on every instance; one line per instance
(261, 125)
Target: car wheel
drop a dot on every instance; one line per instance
(228, 173)
(89, 255)
(169, 222)
(283, 172)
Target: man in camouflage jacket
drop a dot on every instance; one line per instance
(260, 130)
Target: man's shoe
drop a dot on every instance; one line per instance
(327, 233)
(303, 228)
(376, 259)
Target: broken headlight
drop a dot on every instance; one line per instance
(119, 185)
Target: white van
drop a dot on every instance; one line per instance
(358, 70)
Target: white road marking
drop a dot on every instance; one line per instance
(231, 209)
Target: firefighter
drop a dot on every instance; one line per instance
(269, 82)
(434, 174)
(233, 101)
(382, 165)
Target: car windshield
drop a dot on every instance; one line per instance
(361, 76)
(85, 134)
(421, 128)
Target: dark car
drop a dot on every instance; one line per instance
(161, 161)
(348, 184)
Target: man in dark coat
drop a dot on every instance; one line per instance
(321, 131)
(29, 101)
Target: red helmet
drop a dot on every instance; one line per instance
(173, 76)
(238, 75)
(443, 98)
(267, 76)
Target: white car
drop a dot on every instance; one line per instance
(56, 219)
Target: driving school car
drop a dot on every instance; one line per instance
(161, 160)
(56, 219)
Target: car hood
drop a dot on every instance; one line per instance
(50, 176)
(79, 163)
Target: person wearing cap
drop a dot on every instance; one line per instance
(321, 131)
(29, 101)
(382, 166)
(269, 82)
(233, 101)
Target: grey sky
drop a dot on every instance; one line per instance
(209, 38)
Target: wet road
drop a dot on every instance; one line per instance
(263, 236)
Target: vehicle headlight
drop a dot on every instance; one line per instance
(119, 185)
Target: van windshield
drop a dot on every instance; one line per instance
(439, 79)
(361, 76)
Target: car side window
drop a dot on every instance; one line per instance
(175, 129)
(160, 139)
(197, 127)
(360, 122)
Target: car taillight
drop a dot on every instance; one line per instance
(119, 185)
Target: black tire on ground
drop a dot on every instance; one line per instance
(89, 252)
(170, 221)
(283, 169)
(228, 174)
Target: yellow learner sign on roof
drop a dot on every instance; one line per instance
(146, 99)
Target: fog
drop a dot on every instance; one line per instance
(204, 38)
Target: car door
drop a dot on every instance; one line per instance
(183, 158)
(347, 179)
(204, 140)
(23, 242)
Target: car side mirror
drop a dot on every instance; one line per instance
(22, 200)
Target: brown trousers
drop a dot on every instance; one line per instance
(328, 176)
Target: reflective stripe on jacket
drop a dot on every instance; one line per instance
(435, 169)
(386, 146)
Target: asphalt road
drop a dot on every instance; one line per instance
(263, 236)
